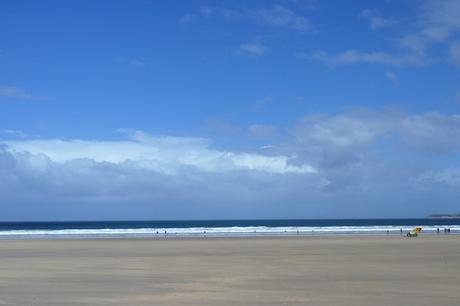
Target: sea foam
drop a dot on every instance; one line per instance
(232, 231)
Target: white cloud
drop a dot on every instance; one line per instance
(439, 19)
(432, 132)
(163, 154)
(275, 16)
(280, 16)
(330, 141)
(14, 133)
(252, 49)
(340, 130)
(356, 57)
(186, 19)
(352, 162)
(413, 42)
(437, 23)
(376, 21)
(14, 92)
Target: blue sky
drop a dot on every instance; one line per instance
(229, 109)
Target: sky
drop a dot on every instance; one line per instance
(153, 110)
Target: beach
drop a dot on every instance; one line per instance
(334, 270)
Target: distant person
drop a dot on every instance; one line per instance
(437, 230)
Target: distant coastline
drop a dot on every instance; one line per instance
(445, 216)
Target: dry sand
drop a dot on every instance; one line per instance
(232, 271)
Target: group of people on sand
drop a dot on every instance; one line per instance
(446, 230)
(438, 230)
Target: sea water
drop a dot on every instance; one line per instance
(224, 228)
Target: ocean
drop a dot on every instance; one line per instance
(223, 228)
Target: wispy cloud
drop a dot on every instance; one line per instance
(252, 49)
(186, 19)
(357, 57)
(392, 77)
(15, 133)
(439, 19)
(275, 16)
(131, 61)
(225, 12)
(136, 62)
(280, 16)
(437, 23)
(376, 21)
(206, 10)
(15, 92)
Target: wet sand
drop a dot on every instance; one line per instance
(232, 271)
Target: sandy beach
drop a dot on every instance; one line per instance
(388, 270)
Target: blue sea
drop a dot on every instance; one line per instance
(223, 228)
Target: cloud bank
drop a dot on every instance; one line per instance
(359, 163)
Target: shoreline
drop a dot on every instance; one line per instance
(227, 236)
(199, 237)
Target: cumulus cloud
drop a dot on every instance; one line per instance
(163, 154)
(148, 178)
(426, 133)
(431, 132)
